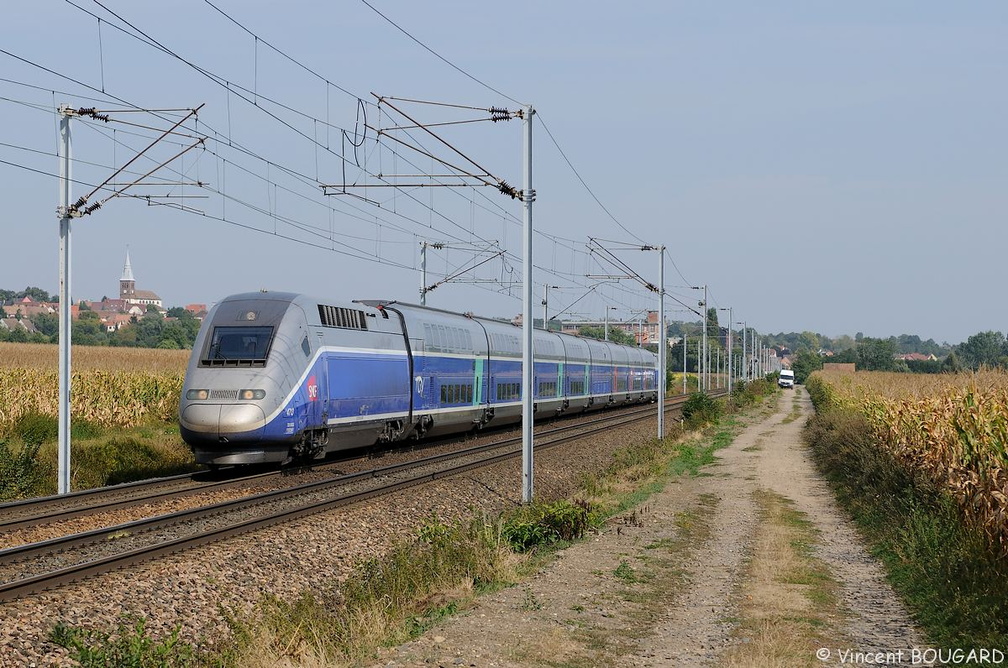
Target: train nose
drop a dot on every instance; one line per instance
(225, 420)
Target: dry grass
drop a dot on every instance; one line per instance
(952, 427)
(789, 596)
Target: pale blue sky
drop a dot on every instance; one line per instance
(835, 167)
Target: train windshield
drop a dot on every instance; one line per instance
(238, 346)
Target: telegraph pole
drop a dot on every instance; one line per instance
(423, 273)
(731, 368)
(67, 211)
(684, 362)
(662, 343)
(63, 465)
(704, 385)
(528, 196)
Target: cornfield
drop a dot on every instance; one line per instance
(954, 428)
(108, 387)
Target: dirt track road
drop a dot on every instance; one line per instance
(749, 564)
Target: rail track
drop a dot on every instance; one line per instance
(39, 566)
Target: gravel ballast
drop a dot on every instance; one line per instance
(196, 589)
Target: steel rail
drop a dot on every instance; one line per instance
(51, 509)
(31, 584)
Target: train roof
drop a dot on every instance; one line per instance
(497, 323)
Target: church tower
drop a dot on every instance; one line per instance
(127, 284)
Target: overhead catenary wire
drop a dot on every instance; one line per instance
(439, 56)
(219, 80)
(542, 122)
(231, 85)
(83, 84)
(463, 231)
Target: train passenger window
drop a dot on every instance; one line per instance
(508, 391)
(238, 346)
(456, 394)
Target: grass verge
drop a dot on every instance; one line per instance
(953, 583)
(788, 596)
(100, 456)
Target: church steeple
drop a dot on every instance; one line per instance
(127, 284)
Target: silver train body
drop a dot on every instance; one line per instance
(279, 376)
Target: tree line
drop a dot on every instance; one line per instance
(981, 350)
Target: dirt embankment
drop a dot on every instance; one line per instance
(748, 564)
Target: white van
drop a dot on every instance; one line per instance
(786, 378)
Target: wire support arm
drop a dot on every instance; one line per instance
(81, 208)
(496, 114)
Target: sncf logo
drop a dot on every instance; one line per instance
(312, 389)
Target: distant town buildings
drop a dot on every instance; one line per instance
(917, 357)
(114, 314)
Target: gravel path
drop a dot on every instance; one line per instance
(579, 611)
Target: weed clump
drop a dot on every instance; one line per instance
(544, 524)
(700, 410)
(127, 646)
(20, 472)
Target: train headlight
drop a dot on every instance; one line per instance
(198, 395)
(251, 395)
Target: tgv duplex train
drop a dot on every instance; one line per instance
(277, 376)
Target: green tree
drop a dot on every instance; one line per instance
(88, 330)
(982, 349)
(876, 355)
(952, 363)
(616, 335)
(675, 357)
(809, 341)
(842, 342)
(47, 324)
(36, 295)
(713, 329)
(148, 330)
(805, 362)
(174, 335)
(848, 356)
(17, 335)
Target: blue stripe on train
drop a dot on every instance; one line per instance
(347, 385)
